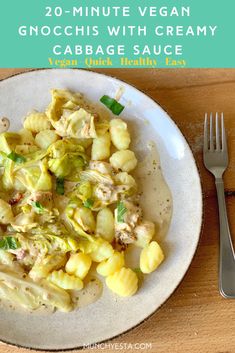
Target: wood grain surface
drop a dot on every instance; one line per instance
(195, 318)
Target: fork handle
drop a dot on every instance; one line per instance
(227, 256)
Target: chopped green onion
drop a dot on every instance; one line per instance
(139, 274)
(38, 207)
(88, 203)
(107, 101)
(16, 157)
(60, 186)
(9, 243)
(111, 103)
(137, 270)
(121, 210)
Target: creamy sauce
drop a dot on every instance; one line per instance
(156, 198)
(43, 310)
(89, 294)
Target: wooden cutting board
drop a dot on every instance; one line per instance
(195, 318)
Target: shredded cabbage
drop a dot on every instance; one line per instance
(31, 295)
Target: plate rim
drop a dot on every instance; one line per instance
(31, 70)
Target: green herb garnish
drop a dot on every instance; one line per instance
(111, 103)
(9, 243)
(16, 157)
(121, 210)
(139, 274)
(137, 270)
(89, 203)
(60, 186)
(38, 207)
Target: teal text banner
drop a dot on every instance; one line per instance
(125, 34)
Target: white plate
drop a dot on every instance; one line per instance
(108, 318)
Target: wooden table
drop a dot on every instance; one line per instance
(195, 318)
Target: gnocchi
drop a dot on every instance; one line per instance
(65, 281)
(98, 249)
(105, 224)
(123, 282)
(124, 160)
(124, 178)
(151, 257)
(112, 265)
(42, 267)
(101, 147)
(78, 265)
(120, 136)
(103, 250)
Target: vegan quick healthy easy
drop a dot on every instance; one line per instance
(69, 205)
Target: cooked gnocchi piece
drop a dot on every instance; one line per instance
(65, 281)
(78, 264)
(112, 265)
(124, 160)
(43, 266)
(120, 136)
(105, 224)
(102, 251)
(123, 282)
(123, 178)
(101, 147)
(151, 257)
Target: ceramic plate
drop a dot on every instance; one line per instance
(107, 317)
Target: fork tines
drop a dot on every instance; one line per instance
(215, 141)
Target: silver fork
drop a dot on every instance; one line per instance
(215, 155)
